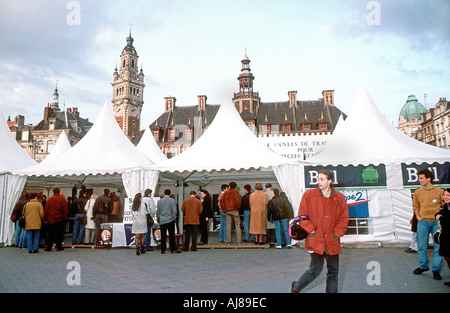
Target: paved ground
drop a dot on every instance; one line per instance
(256, 271)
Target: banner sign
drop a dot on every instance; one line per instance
(441, 172)
(349, 176)
(357, 201)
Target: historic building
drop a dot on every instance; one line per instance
(430, 126)
(410, 117)
(38, 140)
(180, 126)
(128, 91)
(435, 125)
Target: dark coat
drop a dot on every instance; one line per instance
(444, 247)
(56, 209)
(276, 208)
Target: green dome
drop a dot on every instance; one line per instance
(412, 108)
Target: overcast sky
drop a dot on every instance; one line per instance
(187, 48)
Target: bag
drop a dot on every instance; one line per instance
(437, 236)
(22, 222)
(295, 230)
(84, 221)
(150, 220)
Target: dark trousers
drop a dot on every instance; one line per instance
(190, 230)
(55, 235)
(99, 219)
(315, 268)
(203, 230)
(169, 227)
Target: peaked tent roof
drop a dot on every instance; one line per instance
(12, 157)
(227, 144)
(103, 150)
(62, 145)
(148, 146)
(366, 137)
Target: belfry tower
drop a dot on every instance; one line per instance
(246, 99)
(128, 91)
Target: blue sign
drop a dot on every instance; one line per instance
(441, 172)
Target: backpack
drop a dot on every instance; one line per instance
(295, 230)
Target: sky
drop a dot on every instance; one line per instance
(188, 48)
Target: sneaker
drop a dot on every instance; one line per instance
(418, 271)
(278, 247)
(409, 250)
(437, 276)
(289, 246)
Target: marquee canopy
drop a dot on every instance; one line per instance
(366, 137)
(227, 145)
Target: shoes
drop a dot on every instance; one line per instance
(293, 290)
(437, 276)
(409, 250)
(35, 251)
(137, 252)
(278, 247)
(163, 252)
(418, 271)
(289, 246)
(447, 283)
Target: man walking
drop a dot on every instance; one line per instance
(56, 211)
(230, 204)
(191, 208)
(327, 211)
(427, 201)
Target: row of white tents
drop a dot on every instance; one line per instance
(227, 150)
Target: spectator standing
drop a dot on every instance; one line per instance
(166, 216)
(147, 199)
(20, 234)
(56, 210)
(245, 211)
(223, 216)
(206, 216)
(116, 208)
(258, 206)
(33, 214)
(328, 221)
(277, 209)
(443, 217)
(139, 212)
(427, 201)
(230, 204)
(191, 208)
(101, 211)
(79, 217)
(90, 224)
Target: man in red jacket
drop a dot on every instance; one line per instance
(230, 204)
(328, 220)
(56, 211)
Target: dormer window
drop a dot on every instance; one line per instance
(323, 126)
(306, 126)
(189, 133)
(286, 128)
(155, 133)
(172, 133)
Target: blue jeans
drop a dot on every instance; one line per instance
(281, 228)
(223, 226)
(424, 229)
(78, 229)
(246, 224)
(315, 268)
(33, 239)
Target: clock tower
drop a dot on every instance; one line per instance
(128, 91)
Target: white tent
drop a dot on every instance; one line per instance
(368, 140)
(12, 157)
(148, 146)
(103, 155)
(61, 146)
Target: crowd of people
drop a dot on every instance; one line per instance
(265, 213)
(42, 221)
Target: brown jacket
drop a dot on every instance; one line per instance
(230, 201)
(191, 208)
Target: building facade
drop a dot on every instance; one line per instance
(410, 118)
(38, 140)
(180, 126)
(128, 91)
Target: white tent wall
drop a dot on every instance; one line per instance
(292, 182)
(138, 180)
(11, 187)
